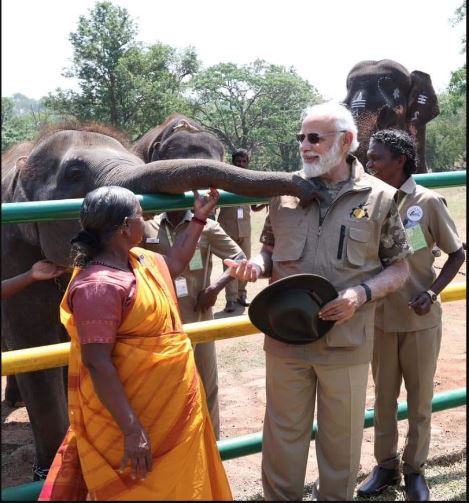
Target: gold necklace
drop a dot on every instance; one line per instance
(97, 262)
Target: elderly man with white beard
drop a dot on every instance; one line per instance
(352, 236)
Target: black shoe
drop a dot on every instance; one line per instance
(39, 473)
(243, 301)
(378, 481)
(230, 306)
(416, 488)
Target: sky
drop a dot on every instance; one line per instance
(322, 40)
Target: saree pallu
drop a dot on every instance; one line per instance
(155, 363)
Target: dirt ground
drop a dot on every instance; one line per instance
(242, 402)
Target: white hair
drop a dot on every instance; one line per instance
(340, 114)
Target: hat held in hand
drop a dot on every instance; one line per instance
(287, 310)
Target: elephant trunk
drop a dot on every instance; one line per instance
(420, 161)
(180, 175)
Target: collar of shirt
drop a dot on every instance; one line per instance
(186, 218)
(409, 186)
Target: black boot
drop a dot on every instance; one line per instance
(39, 473)
(416, 488)
(378, 481)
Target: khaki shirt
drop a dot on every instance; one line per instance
(212, 240)
(422, 210)
(235, 224)
(349, 242)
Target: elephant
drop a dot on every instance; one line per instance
(383, 94)
(68, 161)
(178, 137)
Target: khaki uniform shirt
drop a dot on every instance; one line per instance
(348, 238)
(212, 240)
(236, 221)
(428, 222)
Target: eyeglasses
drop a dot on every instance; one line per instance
(315, 138)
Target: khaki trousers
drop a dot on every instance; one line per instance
(412, 356)
(206, 361)
(292, 386)
(235, 288)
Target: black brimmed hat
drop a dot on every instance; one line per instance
(287, 310)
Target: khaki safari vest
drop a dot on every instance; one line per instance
(344, 248)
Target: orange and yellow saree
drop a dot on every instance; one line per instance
(155, 363)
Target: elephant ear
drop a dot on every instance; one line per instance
(422, 105)
(153, 150)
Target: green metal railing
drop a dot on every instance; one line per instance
(69, 209)
(251, 444)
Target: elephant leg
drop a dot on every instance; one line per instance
(12, 393)
(45, 398)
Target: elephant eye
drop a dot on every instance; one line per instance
(75, 171)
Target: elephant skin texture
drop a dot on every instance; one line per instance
(68, 162)
(383, 94)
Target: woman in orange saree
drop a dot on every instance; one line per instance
(139, 424)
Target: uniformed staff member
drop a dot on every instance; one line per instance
(196, 295)
(236, 222)
(354, 238)
(408, 321)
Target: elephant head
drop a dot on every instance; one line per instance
(68, 162)
(383, 94)
(178, 137)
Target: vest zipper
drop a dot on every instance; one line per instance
(321, 222)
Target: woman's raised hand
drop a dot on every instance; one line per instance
(204, 205)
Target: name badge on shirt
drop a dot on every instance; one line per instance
(196, 261)
(154, 240)
(180, 284)
(416, 237)
(240, 213)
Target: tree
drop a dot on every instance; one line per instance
(122, 82)
(446, 135)
(22, 117)
(256, 107)
(460, 15)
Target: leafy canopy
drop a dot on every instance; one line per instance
(256, 107)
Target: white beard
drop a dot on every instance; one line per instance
(325, 162)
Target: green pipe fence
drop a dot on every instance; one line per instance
(250, 444)
(441, 179)
(69, 209)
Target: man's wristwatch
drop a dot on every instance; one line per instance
(367, 291)
(433, 296)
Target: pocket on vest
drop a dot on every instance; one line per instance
(290, 240)
(352, 333)
(357, 244)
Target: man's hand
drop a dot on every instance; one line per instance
(344, 306)
(203, 205)
(243, 270)
(44, 270)
(206, 299)
(421, 303)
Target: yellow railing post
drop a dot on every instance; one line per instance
(56, 355)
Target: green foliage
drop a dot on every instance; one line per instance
(446, 135)
(122, 82)
(256, 107)
(22, 118)
(460, 15)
